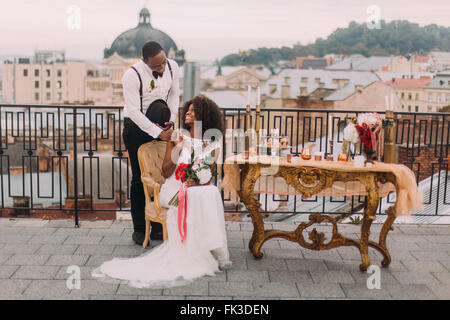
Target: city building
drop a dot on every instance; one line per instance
(49, 78)
(311, 62)
(410, 92)
(233, 77)
(440, 60)
(129, 44)
(437, 92)
(326, 89)
(35, 81)
(376, 63)
(126, 50)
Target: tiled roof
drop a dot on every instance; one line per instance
(325, 77)
(421, 59)
(210, 72)
(385, 76)
(440, 82)
(360, 63)
(228, 98)
(409, 83)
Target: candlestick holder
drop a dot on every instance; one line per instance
(258, 123)
(389, 143)
(248, 127)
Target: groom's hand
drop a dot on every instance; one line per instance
(168, 125)
(166, 135)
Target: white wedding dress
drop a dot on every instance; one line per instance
(174, 263)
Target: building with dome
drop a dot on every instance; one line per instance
(126, 50)
(129, 44)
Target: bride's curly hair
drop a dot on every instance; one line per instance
(206, 111)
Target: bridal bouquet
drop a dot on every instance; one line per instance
(200, 170)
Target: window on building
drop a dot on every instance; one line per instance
(36, 84)
(59, 73)
(403, 107)
(59, 84)
(47, 84)
(272, 88)
(438, 96)
(304, 79)
(285, 92)
(36, 72)
(403, 95)
(430, 97)
(36, 96)
(59, 95)
(409, 96)
(48, 96)
(429, 108)
(417, 96)
(447, 97)
(25, 72)
(48, 72)
(303, 91)
(417, 108)
(409, 108)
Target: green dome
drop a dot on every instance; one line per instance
(129, 44)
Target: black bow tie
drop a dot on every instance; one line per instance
(157, 74)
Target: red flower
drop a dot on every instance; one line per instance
(180, 173)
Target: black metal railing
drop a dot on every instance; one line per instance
(72, 158)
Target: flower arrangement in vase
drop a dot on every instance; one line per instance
(367, 128)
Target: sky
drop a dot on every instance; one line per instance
(205, 29)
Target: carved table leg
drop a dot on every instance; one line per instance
(369, 216)
(387, 226)
(249, 176)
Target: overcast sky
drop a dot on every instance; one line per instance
(206, 29)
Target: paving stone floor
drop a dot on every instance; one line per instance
(35, 256)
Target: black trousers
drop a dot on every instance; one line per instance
(134, 137)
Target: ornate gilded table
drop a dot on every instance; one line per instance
(309, 180)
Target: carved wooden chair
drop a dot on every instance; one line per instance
(151, 156)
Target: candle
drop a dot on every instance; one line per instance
(330, 128)
(259, 96)
(392, 102)
(248, 95)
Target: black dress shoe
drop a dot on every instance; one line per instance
(158, 235)
(138, 237)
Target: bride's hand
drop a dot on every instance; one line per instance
(190, 183)
(177, 138)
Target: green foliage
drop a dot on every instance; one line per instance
(396, 38)
(356, 220)
(387, 124)
(445, 109)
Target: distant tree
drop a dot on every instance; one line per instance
(397, 37)
(444, 109)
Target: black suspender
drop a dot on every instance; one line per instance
(140, 83)
(140, 86)
(171, 78)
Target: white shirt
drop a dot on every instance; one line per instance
(161, 88)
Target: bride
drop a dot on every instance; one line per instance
(204, 250)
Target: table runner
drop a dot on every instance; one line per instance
(409, 198)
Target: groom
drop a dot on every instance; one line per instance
(151, 91)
